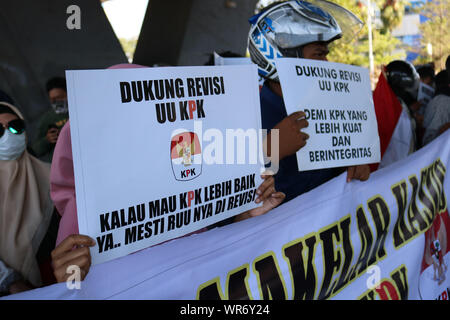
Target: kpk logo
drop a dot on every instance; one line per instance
(186, 156)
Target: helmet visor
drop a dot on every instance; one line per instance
(294, 24)
(289, 27)
(349, 23)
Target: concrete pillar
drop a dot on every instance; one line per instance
(185, 32)
(36, 45)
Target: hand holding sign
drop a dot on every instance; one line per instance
(52, 135)
(268, 195)
(361, 172)
(291, 138)
(74, 250)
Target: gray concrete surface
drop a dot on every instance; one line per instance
(36, 45)
(185, 32)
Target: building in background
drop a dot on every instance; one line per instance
(408, 32)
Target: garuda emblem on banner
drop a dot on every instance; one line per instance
(186, 156)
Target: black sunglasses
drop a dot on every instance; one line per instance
(16, 126)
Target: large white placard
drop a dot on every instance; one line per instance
(338, 103)
(162, 152)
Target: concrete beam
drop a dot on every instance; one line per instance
(37, 45)
(185, 32)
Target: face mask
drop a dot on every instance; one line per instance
(60, 106)
(12, 145)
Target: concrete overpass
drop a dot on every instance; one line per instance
(185, 32)
(37, 44)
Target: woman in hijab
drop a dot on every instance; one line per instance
(25, 205)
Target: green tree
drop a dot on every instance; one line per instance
(436, 31)
(356, 51)
(391, 13)
(128, 46)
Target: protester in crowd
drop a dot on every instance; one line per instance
(404, 82)
(426, 73)
(53, 120)
(437, 114)
(73, 248)
(27, 217)
(301, 30)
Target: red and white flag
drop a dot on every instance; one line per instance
(394, 125)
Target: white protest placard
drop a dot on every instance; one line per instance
(425, 93)
(338, 103)
(162, 152)
(229, 61)
(232, 61)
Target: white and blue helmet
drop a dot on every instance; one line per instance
(282, 27)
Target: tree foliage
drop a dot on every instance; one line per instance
(128, 46)
(436, 30)
(356, 51)
(391, 13)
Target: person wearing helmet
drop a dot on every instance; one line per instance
(303, 30)
(404, 82)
